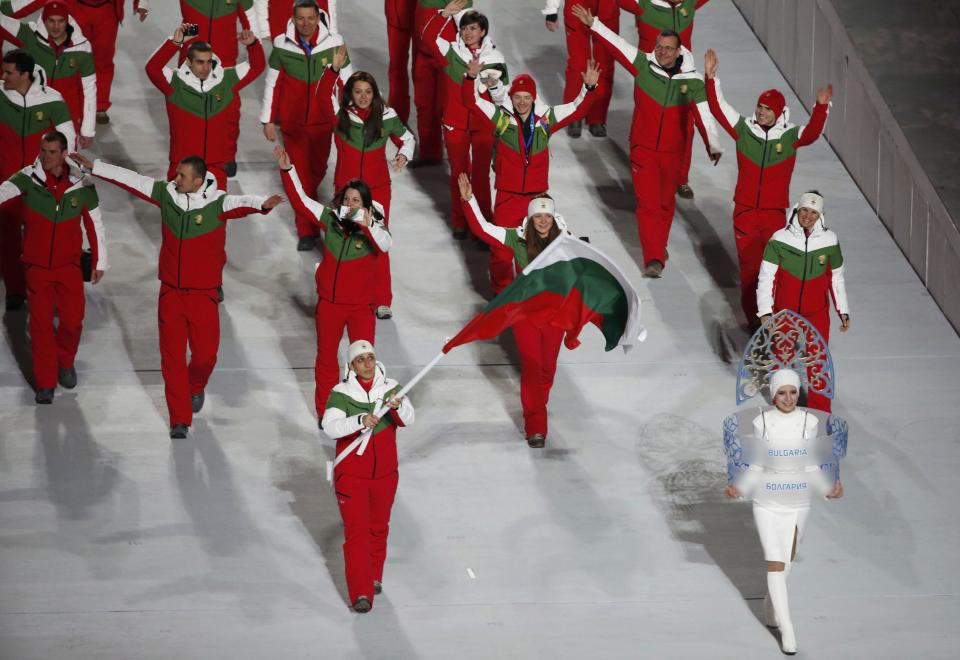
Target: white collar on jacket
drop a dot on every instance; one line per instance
(793, 225)
(561, 223)
(688, 66)
(74, 175)
(323, 32)
(352, 387)
(781, 126)
(488, 53)
(208, 193)
(75, 38)
(37, 93)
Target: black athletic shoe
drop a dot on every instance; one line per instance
(44, 395)
(178, 431)
(103, 117)
(598, 130)
(377, 587)
(230, 169)
(575, 129)
(460, 234)
(685, 191)
(67, 377)
(197, 401)
(536, 441)
(219, 294)
(15, 302)
(362, 605)
(306, 243)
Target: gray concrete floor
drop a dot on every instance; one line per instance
(613, 542)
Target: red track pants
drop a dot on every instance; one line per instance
(332, 318)
(400, 30)
(656, 176)
(509, 211)
(539, 348)
(100, 26)
(429, 100)
(821, 321)
(54, 291)
(752, 229)
(11, 245)
(216, 169)
(581, 46)
(471, 152)
(687, 152)
(365, 509)
(188, 317)
(309, 149)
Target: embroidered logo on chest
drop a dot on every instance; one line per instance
(822, 259)
(198, 219)
(74, 203)
(39, 115)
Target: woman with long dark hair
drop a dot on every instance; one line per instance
(364, 126)
(355, 237)
(538, 346)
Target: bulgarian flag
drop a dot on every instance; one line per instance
(568, 285)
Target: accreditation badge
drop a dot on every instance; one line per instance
(198, 219)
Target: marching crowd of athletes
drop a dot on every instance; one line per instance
(57, 81)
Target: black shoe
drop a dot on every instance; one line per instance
(44, 395)
(362, 605)
(67, 377)
(536, 441)
(306, 243)
(103, 117)
(320, 423)
(598, 130)
(219, 294)
(424, 162)
(15, 302)
(178, 431)
(460, 234)
(384, 312)
(377, 587)
(230, 169)
(685, 191)
(575, 129)
(196, 400)
(654, 269)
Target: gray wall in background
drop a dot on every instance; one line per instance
(810, 45)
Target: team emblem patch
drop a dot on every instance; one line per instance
(323, 61)
(74, 203)
(683, 88)
(683, 12)
(198, 219)
(71, 62)
(778, 147)
(358, 245)
(39, 115)
(822, 259)
(217, 96)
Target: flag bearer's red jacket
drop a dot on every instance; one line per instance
(348, 270)
(427, 9)
(801, 272)
(217, 20)
(194, 228)
(290, 95)
(663, 103)
(69, 68)
(21, 8)
(765, 157)
(655, 16)
(452, 57)
(26, 118)
(274, 15)
(519, 169)
(198, 110)
(53, 230)
(342, 421)
(358, 160)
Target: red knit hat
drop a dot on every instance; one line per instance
(524, 83)
(773, 100)
(55, 8)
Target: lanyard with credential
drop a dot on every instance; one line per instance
(527, 141)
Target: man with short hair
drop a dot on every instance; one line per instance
(28, 110)
(274, 15)
(767, 146)
(194, 213)
(667, 91)
(61, 207)
(290, 98)
(60, 47)
(201, 98)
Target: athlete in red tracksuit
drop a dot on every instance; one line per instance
(667, 90)
(365, 477)
(273, 16)
(767, 146)
(99, 20)
(522, 166)
(28, 110)
(581, 47)
(194, 213)
(428, 96)
(400, 37)
(201, 96)
(354, 237)
(653, 17)
(61, 206)
(290, 98)
(538, 346)
(467, 135)
(364, 125)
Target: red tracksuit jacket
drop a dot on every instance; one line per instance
(655, 16)
(192, 251)
(198, 111)
(217, 20)
(26, 118)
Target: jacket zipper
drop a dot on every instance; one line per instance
(206, 118)
(373, 474)
(336, 272)
(53, 236)
(763, 166)
(183, 224)
(803, 282)
(306, 116)
(663, 112)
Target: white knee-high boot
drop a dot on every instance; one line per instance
(769, 613)
(777, 587)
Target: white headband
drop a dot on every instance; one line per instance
(811, 201)
(358, 348)
(541, 205)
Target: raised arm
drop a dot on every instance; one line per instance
(622, 51)
(301, 202)
(376, 231)
(487, 232)
(705, 123)
(10, 31)
(256, 61)
(261, 11)
(157, 71)
(240, 206)
(818, 118)
(23, 8)
(143, 187)
(436, 45)
(562, 115)
(473, 101)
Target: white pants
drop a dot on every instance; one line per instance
(776, 526)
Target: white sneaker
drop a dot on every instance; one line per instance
(384, 312)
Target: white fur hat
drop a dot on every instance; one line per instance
(541, 205)
(812, 201)
(783, 377)
(358, 348)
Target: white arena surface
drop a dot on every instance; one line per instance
(615, 541)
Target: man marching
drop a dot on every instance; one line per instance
(194, 214)
(767, 146)
(61, 207)
(365, 483)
